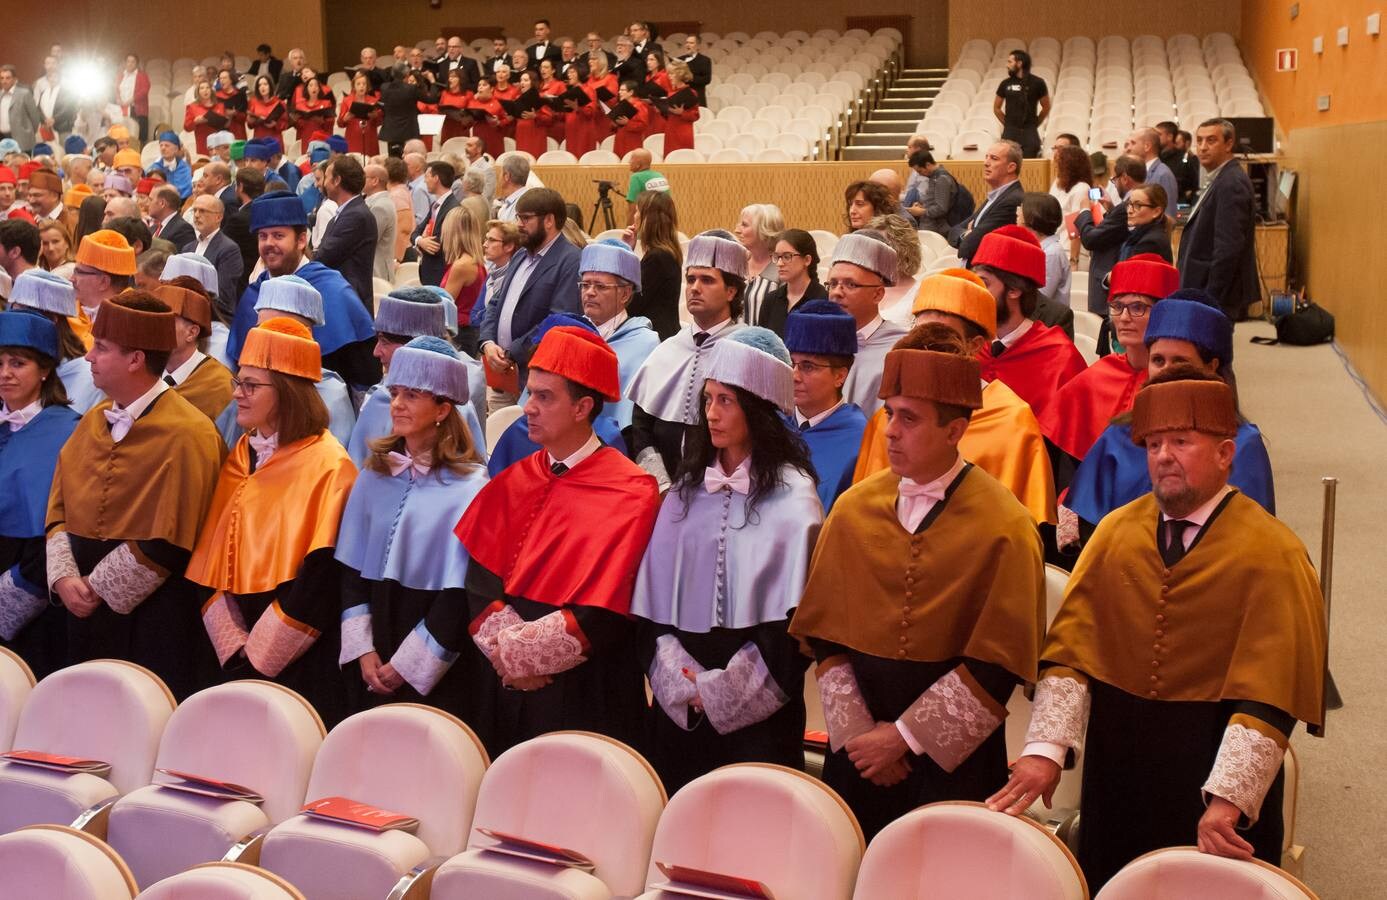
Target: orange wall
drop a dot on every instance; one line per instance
(1355, 77)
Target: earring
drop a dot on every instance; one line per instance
(438, 424)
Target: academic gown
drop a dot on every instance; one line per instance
(864, 378)
(1114, 473)
(969, 587)
(833, 447)
(515, 444)
(138, 505)
(208, 388)
(76, 376)
(403, 590)
(1041, 362)
(1082, 409)
(632, 342)
(336, 397)
(714, 595)
(271, 586)
(29, 624)
(374, 419)
(553, 561)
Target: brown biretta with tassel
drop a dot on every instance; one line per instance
(134, 329)
(931, 375)
(1204, 406)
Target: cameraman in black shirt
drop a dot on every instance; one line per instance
(1016, 101)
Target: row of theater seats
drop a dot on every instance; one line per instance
(1100, 92)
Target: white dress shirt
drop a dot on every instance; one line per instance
(864, 334)
(202, 242)
(517, 287)
(609, 327)
(592, 445)
(911, 511)
(180, 374)
(1016, 333)
(134, 410)
(812, 421)
(6, 99)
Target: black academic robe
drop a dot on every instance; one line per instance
(42, 643)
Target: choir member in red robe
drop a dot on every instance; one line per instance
(683, 110)
(361, 130)
(630, 130)
(204, 116)
(532, 128)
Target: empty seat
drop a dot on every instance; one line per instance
(1179, 872)
(749, 144)
(685, 155)
(773, 155)
(497, 423)
(223, 881)
(557, 158)
(252, 733)
(16, 682)
(438, 787)
(599, 158)
(59, 863)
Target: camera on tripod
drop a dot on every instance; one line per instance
(603, 205)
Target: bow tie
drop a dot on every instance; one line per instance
(120, 421)
(916, 502)
(15, 419)
(264, 447)
(912, 491)
(399, 462)
(738, 482)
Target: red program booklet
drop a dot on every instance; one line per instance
(362, 815)
(524, 848)
(58, 762)
(691, 882)
(208, 787)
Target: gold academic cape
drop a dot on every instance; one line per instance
(1242, 614)
(208, 388)
(1003, 439)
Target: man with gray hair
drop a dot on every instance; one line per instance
(1145, 145)
(377, 194)
(471, 184)
(1001, 170)
(415, 163)
(1217, 250)
(511, 184)
(289, 77)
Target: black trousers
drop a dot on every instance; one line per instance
(1028, 138)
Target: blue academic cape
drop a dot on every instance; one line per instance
(833, 446)
(347, 320)
(515, 443)
(82, 392)
(632, 343)
(28, 458)
(180, 176)
(374, 422)
(1114, 473)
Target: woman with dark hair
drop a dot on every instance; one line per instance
(796, 259)
(360, 116)
(404, 612)
(489, 119)
(35, 422)
(204, 115)
(655, 228)
(657, 85)
(532, 128)
(452, 101)
(266, 548)
(89, 217)
(1148, 227)
(630, 130)
(266, 113)
(231, 94)
(864, 201)
(579, 119)
(55, 299)
(1073, 178)
(312, 107)
(724, 570)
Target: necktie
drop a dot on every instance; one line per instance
(264, 447)
(558, 468)
(738, 482)
(916, 502)
(120, 421)
(1174, 549)
(998, 348)
(804, 425)
(700, 338)
(168, 379)
(400, 462)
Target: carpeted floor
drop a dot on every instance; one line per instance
(1317, 422)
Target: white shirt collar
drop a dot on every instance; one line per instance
(910, 512)
(865, 333)
(609, 327)
(181, 373)
(137, 408)
(588, 449)
(26, 414)
(725, 323)
(1016, 333)
(943, 481)
(1200, 517)
(815, 420)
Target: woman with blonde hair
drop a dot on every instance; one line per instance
(901, 236)
(757, 230)
(55, 248)
(683, 109)
(464, 276)
(404, 607)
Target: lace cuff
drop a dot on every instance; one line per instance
(124, 578)
(277, 640)
(1067, 531)
(19, 604)
(1060, 715)
(667, 682)
(547, 646)
(1246, 765)
(487, 627)
(952, 718)
(845, 712)
(357, 637)
(421, 660)
(61, 563)
(221, 616)
(741, 694)
(650, 460)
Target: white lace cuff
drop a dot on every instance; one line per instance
(845, 712)
(541, 647)
(650, 460)
(357, 637)
(667, 682)
(951, 719)
(1060, 715)
(123, 581)
(421, 660)
(18, 606)
(277, 640)
(490, 628)
(741, 694)
(61, 563)
(1246, 765)
(1067, 531)
(221, 617)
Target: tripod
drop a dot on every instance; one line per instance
(603, 203)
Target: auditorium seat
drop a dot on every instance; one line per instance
(685, 155)
(577, 790)
(223, 881)
(498, 421)
(16, 683)
(438, 786)
(776, 825)
(251, 733)
(407, 274)
(599, 158)
(557, 158)
(727, 155)
(1179, 872)
(105, 710)
(54, 862)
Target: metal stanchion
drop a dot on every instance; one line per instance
(1332, 698)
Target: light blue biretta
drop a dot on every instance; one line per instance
(195, 266)
(412, 312)
(755, 359)
(710, 249)
(450, 308)
(291, 294)
(42, 290)
(612, 258)
(429, 364)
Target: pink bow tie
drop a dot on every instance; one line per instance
(917, 492)
(738, 482)
(399, 462)
(264, 447)
(15, 419)
(120, 421)
(916, 502)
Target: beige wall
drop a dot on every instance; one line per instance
(1025, 20)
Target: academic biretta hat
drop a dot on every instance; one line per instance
(821, 327)
(135, 329)
(582, 357)
(612, 258)
(945, 378)
(187, 304)
(291, 294)
(755, 360)
(277, 209)
(1187, 405)
(411, 311)
(22, 328)
(716, 252)
(430, 364)
(285, 346)
(195, 266)
(869, 253)
(37, 289)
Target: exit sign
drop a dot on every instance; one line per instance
(1286, 60)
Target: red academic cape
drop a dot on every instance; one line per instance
(1036, 366)
(1086, 404)
(572, 539)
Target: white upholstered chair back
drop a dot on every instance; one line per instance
(1179, 872)
(779, 826)
(61, 863)
(222, 881)
(252, 733)
(16, 681)
(967, 850)
(105, 709)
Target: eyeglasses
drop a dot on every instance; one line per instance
(247, 387)
(596, 286)
(491, 240)
(785, 257)
(834, 284)
(1137, 204)
(526, 216)
(1135, 310)
(807, 367)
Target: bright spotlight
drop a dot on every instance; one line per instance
(88, 80)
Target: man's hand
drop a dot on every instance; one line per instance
(877, 750)
(697, 702)
(916, 209)
(1218, 831)
(528, 683)
(1031, 777)
(391, 680)
(77, 595)
(621, 120)
(893, 774)
(496, 358)
(427, 244)
(528, 114)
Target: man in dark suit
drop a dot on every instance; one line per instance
(349, 244)
(630, 65)
(542, 278)
(1001, 169)
(289, 77)
(594, 42)
(427, 238)
(1218, 248)
(400, 100)
(216, 180)
(499, 57)
(453, 58)
(1103, 240)
(568, 59)
(250, 183)
(700, 67)
(164, 205)
(543, 48)
(641, 42)
(266, 64)
(218, 249)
